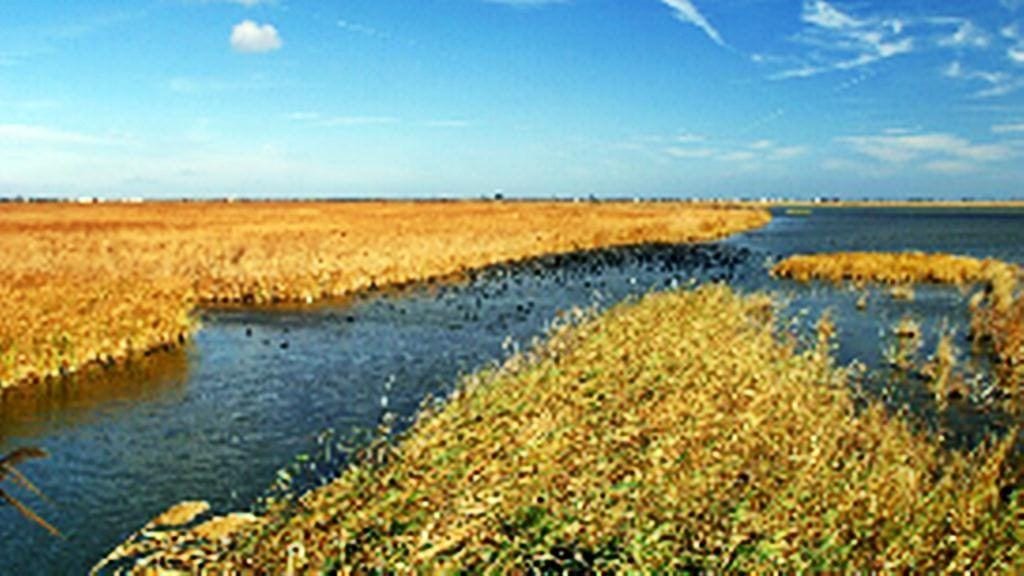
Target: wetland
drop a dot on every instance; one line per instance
(265, 402)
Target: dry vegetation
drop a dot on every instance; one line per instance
(81, 284)
(674, 433)
(997, 313)
(900, 268)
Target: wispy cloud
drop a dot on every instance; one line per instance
(685, 11)
(938, 152)
(252, 38)
(688, 138)
(950, 167)
(691, 153)
(743, 152)
(966, 35)
(999, 83)
(446, 123)
(1017, 128)
(362, 29)
(824, 15)
(341, 121)
(842, 41)
(360, 120)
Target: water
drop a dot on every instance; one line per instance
(256, 388)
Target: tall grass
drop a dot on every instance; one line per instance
(676, 433)
(898, 268)
(997, 313)
(81, 284)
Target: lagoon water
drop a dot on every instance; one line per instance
(258, 388)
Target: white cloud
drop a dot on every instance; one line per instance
(738, 156)
(999, 83)
(787, 152)
(756, 151)
(1009, 128)
(824, 15)
(31, 134)
(841, 41)
(951, 167)
(250, 37)
(446, 123)
(360, 120)
(931, 148)
(340, 121)
(837, 39)
(967, 35)
(685, 11)
(357, 28)
(679, 152)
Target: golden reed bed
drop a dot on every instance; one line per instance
(81, 284)
(997, 314)
(893, 268)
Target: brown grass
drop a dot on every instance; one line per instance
(997, 313)
(898, 268)
(81, 284)
(677, 433)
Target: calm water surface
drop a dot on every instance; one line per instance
(256, 388)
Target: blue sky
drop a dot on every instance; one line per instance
(537, 98)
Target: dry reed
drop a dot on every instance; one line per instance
(82, 284)
(997, 314)
(898, 268)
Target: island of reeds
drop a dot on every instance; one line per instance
(677, 433)
(997, 311)
(99, 283)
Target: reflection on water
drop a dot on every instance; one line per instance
(93, 393)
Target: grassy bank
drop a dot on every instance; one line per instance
(677, 432)
(82, 284)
